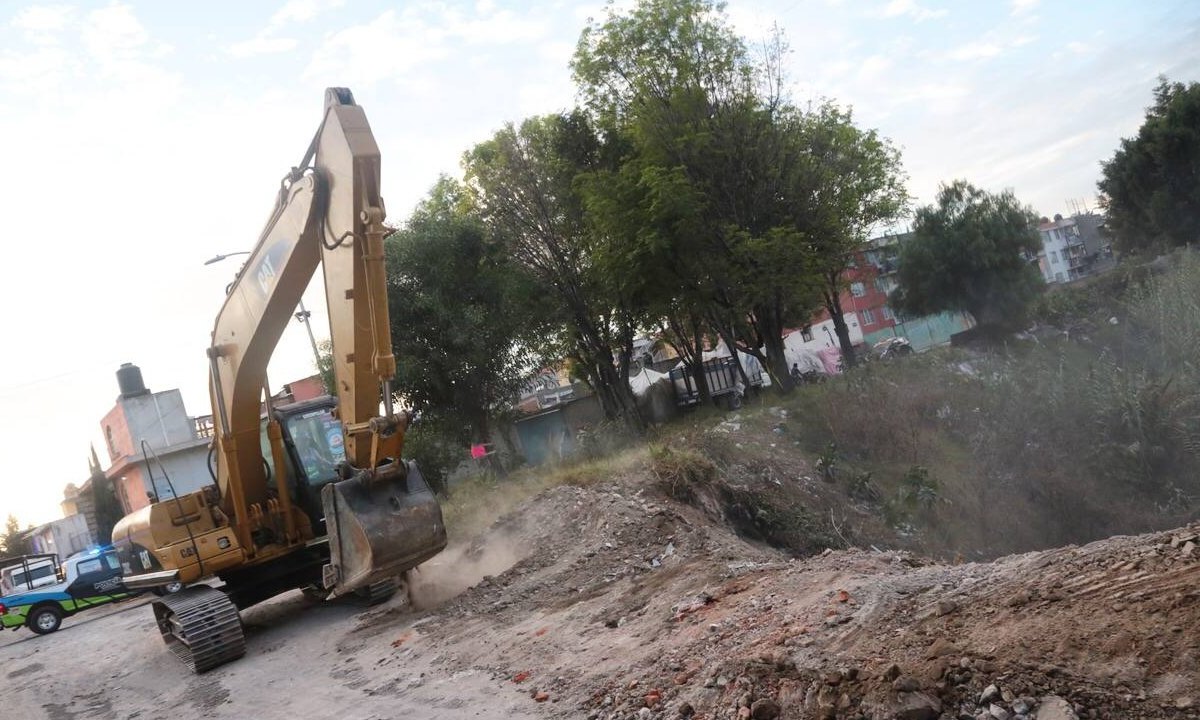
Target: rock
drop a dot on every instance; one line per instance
(906, 683)
(945, 607)
(1021, 597)
(541, 696)
(1053, 707)
(998, 712)
(1022, 706)
(743, 713)
(1189, 548)
(940, 648)
(990, 693)
(764, 709)
(685, 710)
(1184, 703)
(915, 706)
(833, 677)
(745, 700)
(645, 713)
(892, 672)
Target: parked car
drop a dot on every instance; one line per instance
(892, 347)
(82, 582)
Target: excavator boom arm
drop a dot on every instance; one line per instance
(329, 214)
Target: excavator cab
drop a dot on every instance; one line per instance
(379, 524)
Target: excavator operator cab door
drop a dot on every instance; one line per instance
(315, 445)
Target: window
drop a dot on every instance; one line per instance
(806, 334)
(88, 566)
(858, 289)
(868, 317)
(887, 313)
(1058, 277)
(1054, 256)
(113, 562)
(317, 439)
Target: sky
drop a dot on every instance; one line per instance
(142, 138)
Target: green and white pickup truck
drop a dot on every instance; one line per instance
(39, 593)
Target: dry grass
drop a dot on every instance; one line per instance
(476, 502)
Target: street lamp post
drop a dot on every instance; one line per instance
(302, 313)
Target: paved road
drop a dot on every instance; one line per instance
(303, 660)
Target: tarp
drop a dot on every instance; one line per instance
(807, 360)
(831, 357)
(644, 380)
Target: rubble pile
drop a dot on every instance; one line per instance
(625, 605)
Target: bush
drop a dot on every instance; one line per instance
(1060, 440)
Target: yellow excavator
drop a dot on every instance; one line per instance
(312, 495)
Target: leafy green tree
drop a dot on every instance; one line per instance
(464, 316)
(849, 183)
(969, 252)
(105, 504)
(11, 542)
(523, 182)
(1150, 187)
(324, 364)
(738, 206)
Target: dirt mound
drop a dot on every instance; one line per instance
(619, 602)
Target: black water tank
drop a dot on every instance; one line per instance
(129, 379)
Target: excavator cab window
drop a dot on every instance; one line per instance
(319, 446)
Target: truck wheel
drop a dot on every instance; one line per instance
(45, 620)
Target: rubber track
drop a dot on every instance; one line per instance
(201, 626)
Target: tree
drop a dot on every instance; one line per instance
(740, 206)
(463, 314)
(523, 183)
(1150, 188)
(969, 252)
(850, 183)
(106, 507)
(11, 542)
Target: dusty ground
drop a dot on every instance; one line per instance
(610, 600)
(303, 661)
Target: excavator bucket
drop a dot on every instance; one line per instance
(379, 528)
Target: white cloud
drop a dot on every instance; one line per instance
(114, 34)
(975, 51)
(303, 10)
(1020, 7)
(268, 40)
(395, 43)
(39, 20)
(261, 44)
(873, 67)
(910, 8)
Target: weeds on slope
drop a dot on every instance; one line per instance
(1062, 437)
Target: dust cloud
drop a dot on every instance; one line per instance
(458, 568)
